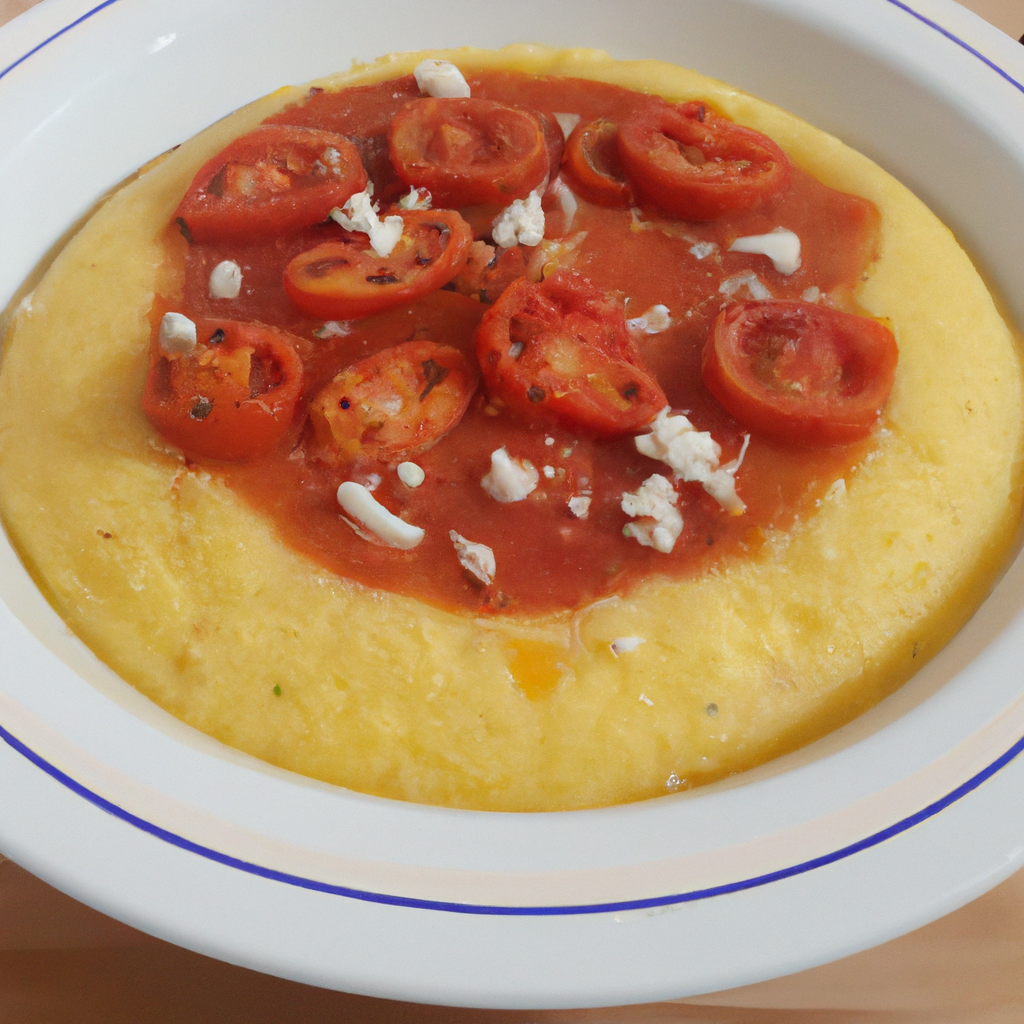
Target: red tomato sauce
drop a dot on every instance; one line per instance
(547, 559)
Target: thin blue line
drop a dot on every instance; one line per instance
(505, 911)
(56, 35)
(959, 42)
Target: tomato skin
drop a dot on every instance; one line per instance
(345, 280)
(697, 165)
(469, 151)
(798, 372)
(232, 400)
(559, 351)
(393, 404)
(270, 182)
(594, 166)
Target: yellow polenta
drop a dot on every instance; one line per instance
(189, 595)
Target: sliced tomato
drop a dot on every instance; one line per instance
(559, 351)
(799, 372)
(276, 179)
(346, 280)
(232, 398)
(594, 166)
(393, 404)
(697, 165)
(469, 151)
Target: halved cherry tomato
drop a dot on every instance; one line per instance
(347, 280)
(275, 179)
(393, 404)
(559, 350)
(469, 151)
(800, 372)
(232, 398)
(697, 165)
(594, 166)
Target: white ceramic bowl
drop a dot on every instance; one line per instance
(905, 814)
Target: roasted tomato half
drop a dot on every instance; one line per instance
(233, 397)
(593, 165)
(393, 404)
(274, 180)
(469, 151)
(346, 280)
(697, 165)
(559, 351)
(799, 372)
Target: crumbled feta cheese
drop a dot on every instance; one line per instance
(655, 500)
(625, 644)
(334, 329)
(416, 199)
(330, 156)
(567, 122)
(548, 440)
(781, 246)
(521, 223)
(579, 505)
(359, 503)
(410, 474)
(549, 472)
(701, 250)
(225, 280)
(442, 79)
(811, 294)
(177, 334)
(477, 559)
(360, 214)
(693, 455)
(654, 321)
(749, 280)
(509, 479)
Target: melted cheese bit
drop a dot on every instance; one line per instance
(509, 479)
(521, 223)
(359, 503)
(693, 455)
(477, 559)
(654, 321)
(360, 214)
(177, 334)
(655, 499)
(410, 474)
(225, 280)
(781, 246)
(441, 79)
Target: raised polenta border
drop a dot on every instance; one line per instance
(189, 595)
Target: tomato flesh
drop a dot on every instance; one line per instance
(469, 151)
(559, 351)
(697, 165)
(800, 372)
(275, 179)
(594, 166)
(232, 398)
(347, 279)
(394, 404)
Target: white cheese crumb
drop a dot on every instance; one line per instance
(509, 479)
(548, 440)
(811, 294)
(521, 223)
(334, 329)
(416, 199)
(441, 79)
(476, 558)
(781, 246)
(549, 472)
(410, 474)
(749, 280)
(225, 280)
(579, 505)
(701, 250)
(693, 455)
(567, 122)
(360, 214)
(654, 321)
(359, 503)
(177, 334)
(625, 644)
(655, 500)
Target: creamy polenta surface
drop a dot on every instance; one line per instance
(181, 587)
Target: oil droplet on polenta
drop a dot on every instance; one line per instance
(537, 666)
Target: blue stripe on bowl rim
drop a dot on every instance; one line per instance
(690, 896)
